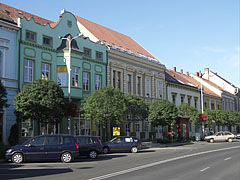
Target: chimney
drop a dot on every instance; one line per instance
(206, 73)
(174, 69)
(187, 73)
(197, 74)
(181, 71)
(200, 74)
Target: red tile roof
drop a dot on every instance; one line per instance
(187, 80)
(14, 13)
(111, 37)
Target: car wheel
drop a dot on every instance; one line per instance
(66, 157)
(92, 154)
(134, 149)
(211, 140)
(230, 140)
(105, 150)
(17, 158)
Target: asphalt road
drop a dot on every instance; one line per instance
(217, 161)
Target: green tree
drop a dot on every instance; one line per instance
(3, 97)
(220, 117)
(136, 108)
(106, 107)
(163, 113)
(41, 100)
(231, 118)
(184, 110)
(211, 118)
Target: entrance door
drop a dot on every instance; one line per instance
(127, 126)
(146, 130)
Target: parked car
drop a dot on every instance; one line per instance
(45, 147)
(238, 136)
(89, 146)
(122, 144)
(221, 136)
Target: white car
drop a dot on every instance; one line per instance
(220, 136)
(238, 136)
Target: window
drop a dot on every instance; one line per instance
(129, 83)
(212, 106)
(99, 55)
(62, 75)
(174, 98)
(28, 71)
(127, 127)
(182, 99)
(67, 140)
(86, 81)
(45, 71)
(138, 85)
(75, 76)
(114, 79)
(158, 92)
(98, 82)
(30, 35)
(53, 140)
(39, 141)
(87, 52)
(189, 100)
(195, 102)
(47, 41)
(119, 80)
(148, 88)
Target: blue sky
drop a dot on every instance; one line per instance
(188, 34)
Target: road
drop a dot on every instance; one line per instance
(217, 161)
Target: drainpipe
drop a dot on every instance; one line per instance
(19, 53)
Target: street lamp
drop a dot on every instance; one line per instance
(68, 64)
(203, 127)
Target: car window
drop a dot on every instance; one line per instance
(128, 140)
(38, 141)
(227, 133)
(118, 140)
(219, 134)
(67, 140)
(52, 140)
(82, 140)
(94, 140)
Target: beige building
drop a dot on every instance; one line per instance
(131, 69)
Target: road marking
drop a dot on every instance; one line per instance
(204, 169)
(158, 163)
(227, 158)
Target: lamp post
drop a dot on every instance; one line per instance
(203, 127)
(68, 64)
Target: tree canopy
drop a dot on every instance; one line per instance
(41, 100)
(107, 105)
(136, 108)
(162, 112)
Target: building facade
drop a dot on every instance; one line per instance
(8, 71)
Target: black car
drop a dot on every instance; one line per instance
(45, 147)
(122, 144)
(89, 146)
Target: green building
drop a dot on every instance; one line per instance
(44, 53)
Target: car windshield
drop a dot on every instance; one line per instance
(113, 139)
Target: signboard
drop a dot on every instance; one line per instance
(116, 131)
(204, 116)
(62, 75)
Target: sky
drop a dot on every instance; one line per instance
(186, 34)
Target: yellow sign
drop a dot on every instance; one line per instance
(116, 131)
(61, 69)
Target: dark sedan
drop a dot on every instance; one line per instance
(122, 144)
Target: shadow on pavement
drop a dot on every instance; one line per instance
(13, 171)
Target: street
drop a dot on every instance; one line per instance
(196, 161)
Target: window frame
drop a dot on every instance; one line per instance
(51, 41)
(29, 39)
(74, 78)
(86, 85)
(28, 68)
(90, 52)
(98, 81)
(100, 53)
(45, 71)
